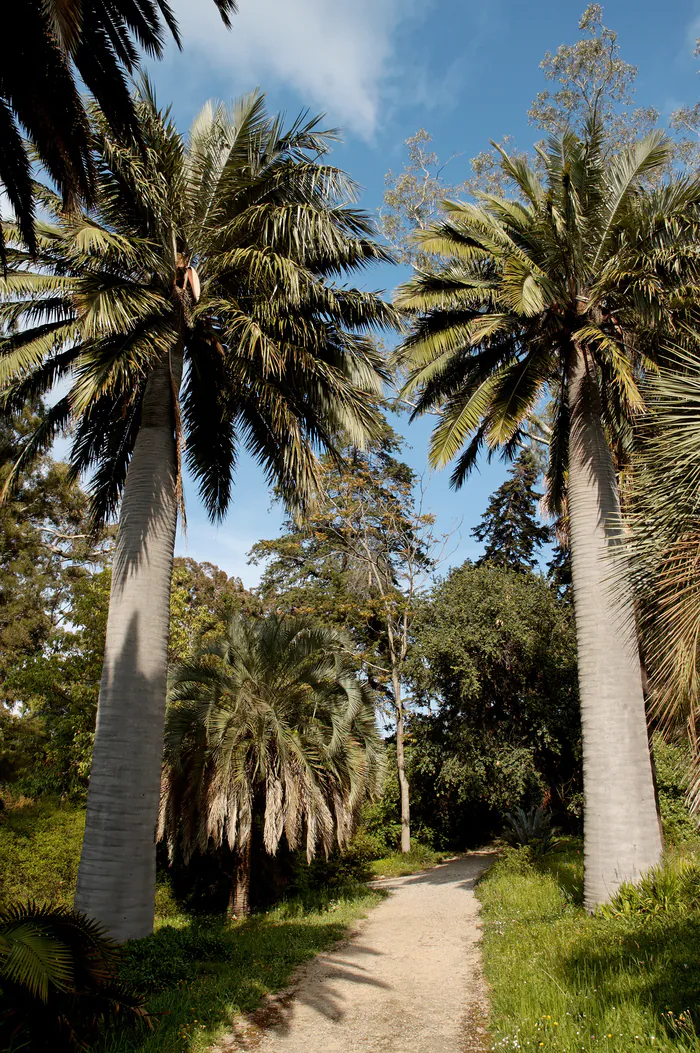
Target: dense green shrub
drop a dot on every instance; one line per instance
(532, 828)
(671, 763)
(40, 844)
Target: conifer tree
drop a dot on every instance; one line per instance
(509, 526)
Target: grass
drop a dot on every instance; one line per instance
(624, 980)
(397, 864)
(203, 972)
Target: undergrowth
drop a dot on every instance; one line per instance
(201, 972)
(625, 979)
(40, 845)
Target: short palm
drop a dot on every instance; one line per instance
(271, 719)
(260, 348)
(565, 293)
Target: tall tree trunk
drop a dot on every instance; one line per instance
(116, 879)
(622, 837)
(404, 788)
(239, 900)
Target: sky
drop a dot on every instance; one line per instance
(466, 71)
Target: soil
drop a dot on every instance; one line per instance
(408, 980)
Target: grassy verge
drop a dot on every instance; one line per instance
(203, 972)
(562, 980)
(397, 864)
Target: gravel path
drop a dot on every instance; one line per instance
(407, 981)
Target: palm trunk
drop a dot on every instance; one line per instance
(239, 900)
(116, 879)
(622, 837)
(401, 770)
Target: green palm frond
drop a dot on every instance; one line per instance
(278, 348)
(591, 258)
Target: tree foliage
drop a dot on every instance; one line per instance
(509, 527)
(495, 660)
(112, 295)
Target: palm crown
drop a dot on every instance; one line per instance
(586, 259)
(51, 41)
(276, 354)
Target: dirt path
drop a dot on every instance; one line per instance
(408, 981)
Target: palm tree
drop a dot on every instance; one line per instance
(52, 40)
(664, 546)
(563, 293)
(272, 719)
(259, 348)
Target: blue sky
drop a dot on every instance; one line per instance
(381, 69)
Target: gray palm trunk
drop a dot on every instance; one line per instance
(622, 837)
(116, 879)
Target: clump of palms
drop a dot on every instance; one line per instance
(565, 293)
(272, 720)
(201, 309)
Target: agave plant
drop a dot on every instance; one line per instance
(532, 828)
(59, 983)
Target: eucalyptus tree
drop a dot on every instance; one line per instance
(52, 41)
(270, 719)
(200, 310)
(563, 294)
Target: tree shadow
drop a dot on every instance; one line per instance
(651, 961)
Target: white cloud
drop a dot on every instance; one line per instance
(340, 56)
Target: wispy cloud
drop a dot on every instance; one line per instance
(339, 57)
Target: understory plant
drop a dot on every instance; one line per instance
(59, 984)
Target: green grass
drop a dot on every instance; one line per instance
(397, 864)
(563, 980)
(40, 845)
(203, 972)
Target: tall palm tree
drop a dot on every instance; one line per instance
(272, 718)
(562, 293)
(664, 546)
(258, 348)
(52, 41)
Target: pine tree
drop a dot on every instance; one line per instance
(509, 526)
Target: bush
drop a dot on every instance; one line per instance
(671, 888)
(174, 954)
(672, 763)
(40, 844)
(59, 983)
